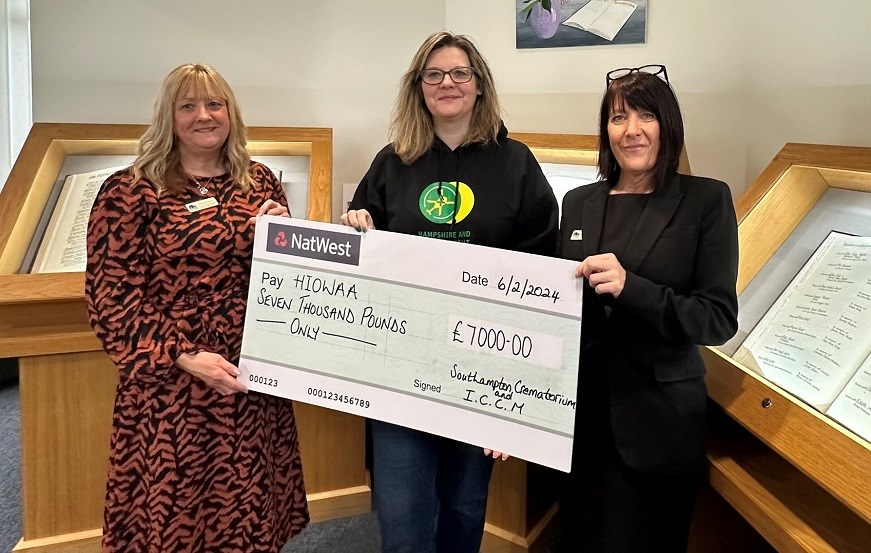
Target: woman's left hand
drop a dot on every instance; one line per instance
(495, 454)
(603, 272)
(270, 207)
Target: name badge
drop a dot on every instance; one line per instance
(200, 205)
(577, 235)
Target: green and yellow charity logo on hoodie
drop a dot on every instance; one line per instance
(442, 204)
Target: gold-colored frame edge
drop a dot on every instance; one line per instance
(571, 149)
(574, 149)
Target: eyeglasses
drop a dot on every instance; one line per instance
(655, 69)
(459, 75)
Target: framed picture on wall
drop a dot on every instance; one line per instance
(561, 23)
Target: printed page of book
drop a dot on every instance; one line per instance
(815, 336)
(63, 247)
(852, 407)
(845, 210)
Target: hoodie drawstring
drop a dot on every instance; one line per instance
(456, 182)
(456, 188)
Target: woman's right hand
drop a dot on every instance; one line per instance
(214, 370)
(604, 273)
(359, 219)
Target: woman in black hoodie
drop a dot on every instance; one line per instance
(451, 172)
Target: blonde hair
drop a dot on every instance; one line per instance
(158, 157)
(411, 128)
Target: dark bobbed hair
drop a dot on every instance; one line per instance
(643, 92)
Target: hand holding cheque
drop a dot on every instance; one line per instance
(604, 272)
(358, 219)
(476, 344)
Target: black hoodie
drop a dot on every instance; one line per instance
(504, 202)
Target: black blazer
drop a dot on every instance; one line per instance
(681, 269)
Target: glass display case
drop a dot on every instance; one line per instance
(800, 478)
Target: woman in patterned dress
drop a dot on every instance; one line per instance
(197, 464)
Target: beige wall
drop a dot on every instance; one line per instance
(812, 76)
(750, 75)
(291, 63)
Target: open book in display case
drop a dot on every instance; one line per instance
(67, 383)
(798, 476)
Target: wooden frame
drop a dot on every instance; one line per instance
(573, 149)
(805, 485)
(67, 382)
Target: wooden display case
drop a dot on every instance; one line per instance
(802, 480)
(67, 383)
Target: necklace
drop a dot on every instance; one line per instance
(203, 188)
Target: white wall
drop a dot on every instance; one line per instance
(290, 62)
(750, 75)
(15, 107)
(812, 75)
(5, 138)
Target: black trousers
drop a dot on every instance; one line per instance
(611, 508)
(608, 507)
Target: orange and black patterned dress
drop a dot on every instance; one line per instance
(190, 470)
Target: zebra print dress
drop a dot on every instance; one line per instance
(190, 470)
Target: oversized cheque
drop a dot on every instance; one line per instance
(476, 344)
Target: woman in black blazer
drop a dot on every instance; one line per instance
(659, 252)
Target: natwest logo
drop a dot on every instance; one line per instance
(326, 245)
